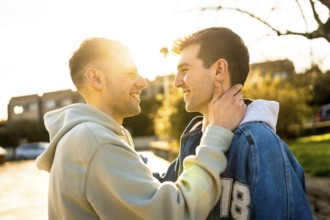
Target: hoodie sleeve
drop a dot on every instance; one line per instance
(120, 186)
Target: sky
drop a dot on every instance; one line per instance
(38, 37)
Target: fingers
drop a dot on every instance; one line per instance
(235, 89)
(229, 109)
(236, 92)
(217, 93)
(239, 94)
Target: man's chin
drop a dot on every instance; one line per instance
(136, 112)
(133, 113)
(189, 109)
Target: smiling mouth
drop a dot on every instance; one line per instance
(185, 93)
(136, 95)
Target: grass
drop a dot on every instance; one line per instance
(313, 153)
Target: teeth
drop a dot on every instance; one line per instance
(135, 95)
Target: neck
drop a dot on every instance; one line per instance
(103, 108)
(205, 122)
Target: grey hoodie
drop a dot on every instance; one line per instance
(95, 172)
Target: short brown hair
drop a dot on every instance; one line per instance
(91, 50)
(216, 43)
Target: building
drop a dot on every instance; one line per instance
(277, 68)
(58, 99)
(33, 107)
(24, 108)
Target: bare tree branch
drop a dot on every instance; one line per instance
(316, 16)
(302, 13)
(323, 30)
(218, 8)
(326, 3)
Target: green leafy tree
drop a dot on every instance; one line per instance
(292, 100)
(307, 80)
(321, 89)
(316, 83)
(142, 124)
(172, 117)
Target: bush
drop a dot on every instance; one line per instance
(32, 131)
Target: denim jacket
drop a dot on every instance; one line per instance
(262, 180)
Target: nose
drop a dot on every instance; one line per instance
(178, 80)
(141, 82)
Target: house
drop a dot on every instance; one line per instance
(33, 107)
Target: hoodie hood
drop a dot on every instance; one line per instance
(61, 121)
(262, 110)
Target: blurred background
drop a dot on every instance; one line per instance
(289, 45)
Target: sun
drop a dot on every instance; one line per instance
(151, 61)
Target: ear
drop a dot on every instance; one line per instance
(94, 78)
(220, 72)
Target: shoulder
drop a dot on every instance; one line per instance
(91, 132)
(254, 127)
(255, 132)
(91, 128)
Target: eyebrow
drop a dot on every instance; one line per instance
(182, 65)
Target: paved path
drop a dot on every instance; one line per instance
(23, 191)
(23, 188)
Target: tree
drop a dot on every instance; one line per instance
(292, 100)
(12, 134)
(317, 83)
(172, 118)
(321, 90)
(322, 29)
(142, 124)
